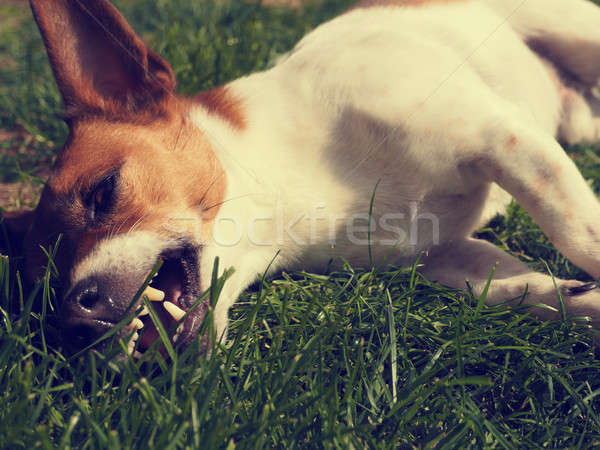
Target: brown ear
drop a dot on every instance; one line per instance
(98, 60)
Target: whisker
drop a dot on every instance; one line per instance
(178, 135)
(136, 223)
(210, 186)
(216, 205)
(118, 229)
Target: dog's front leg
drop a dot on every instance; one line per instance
(528, 163)
(245, 266)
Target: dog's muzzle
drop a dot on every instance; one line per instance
(100, 302)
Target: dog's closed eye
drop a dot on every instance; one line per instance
(101, 199)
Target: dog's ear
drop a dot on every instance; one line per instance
(13, 228)
(98, 60)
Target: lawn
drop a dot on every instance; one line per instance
(355, 358)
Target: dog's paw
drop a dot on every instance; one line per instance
(581, 289)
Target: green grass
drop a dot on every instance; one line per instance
(356, 358)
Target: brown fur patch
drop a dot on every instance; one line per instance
(167, 171)
(222, 102)
(591, 231)
(548, 172)
(412, 3)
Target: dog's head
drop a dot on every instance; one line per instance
(135, 183)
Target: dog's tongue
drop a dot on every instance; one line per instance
(149, 336)
(169, 281)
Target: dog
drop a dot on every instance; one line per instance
(388, 135)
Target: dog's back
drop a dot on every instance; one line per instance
(393, 94)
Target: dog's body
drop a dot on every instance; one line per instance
(407, 116)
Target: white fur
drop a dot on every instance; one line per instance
(447, 108)
(134, 252)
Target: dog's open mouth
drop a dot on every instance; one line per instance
(172, 292)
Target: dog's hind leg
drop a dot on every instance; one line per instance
(565, 32)
(567, 35)
(580, 118)
(471, 261)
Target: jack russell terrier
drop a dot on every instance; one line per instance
(389, 133)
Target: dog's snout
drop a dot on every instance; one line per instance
(87, 313)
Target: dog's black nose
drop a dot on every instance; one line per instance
(85, 297)
(88, 312)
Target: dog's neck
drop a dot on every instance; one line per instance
(277, 195)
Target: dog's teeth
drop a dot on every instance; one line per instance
(174, 310)
(154, 295)
(178, 333)
(137, 324)
(132, 340)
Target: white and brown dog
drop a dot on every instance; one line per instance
(438, 110)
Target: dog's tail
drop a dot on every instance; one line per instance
(567, 32)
